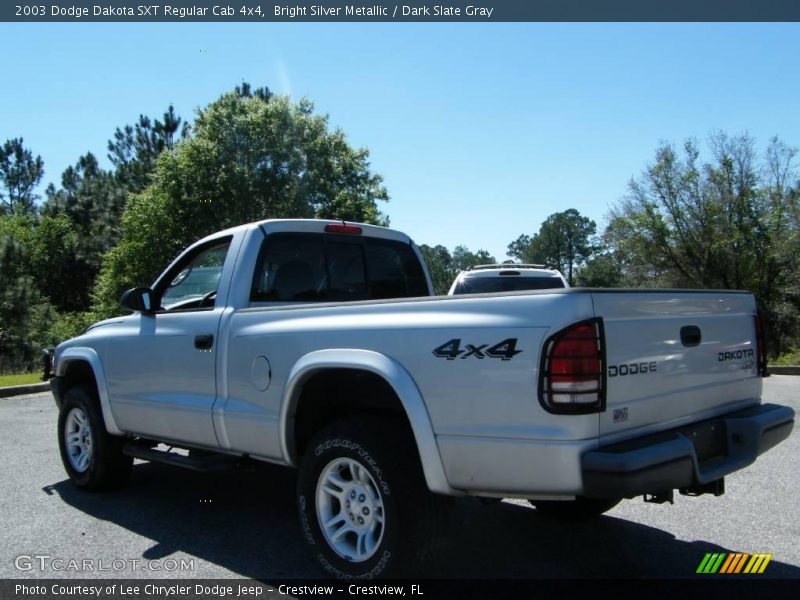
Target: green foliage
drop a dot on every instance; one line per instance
(600, 271)
(444, 267)
(17, 296)
(249, 158)
(32, 257)
(246, 91)
(135, 148)
(19, 379)
(28, 321)
(50, 327)
(40, 326)
(790, 357)
(564, 241)
(729, 222)
(518, 247)
(463, 259)
(50, 256)
(91, 201)
(138, 259)
(20, 173)
(440, 267)
(635, 252)
(255, 156)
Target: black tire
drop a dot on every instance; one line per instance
(580, 509)
(412, 515)
(107, 466)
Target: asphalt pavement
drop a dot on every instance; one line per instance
(243, 523)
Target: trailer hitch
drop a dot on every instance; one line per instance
(660, 497)
(716, 487)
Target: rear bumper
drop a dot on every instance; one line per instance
(685, 457)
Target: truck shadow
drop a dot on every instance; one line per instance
(245, 522)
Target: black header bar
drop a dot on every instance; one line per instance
(709, 587)
(482, 11)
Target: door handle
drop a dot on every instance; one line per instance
(691, 336)
(204, 341)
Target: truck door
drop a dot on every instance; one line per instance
(162, 371)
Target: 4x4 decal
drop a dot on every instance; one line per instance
(505, 350)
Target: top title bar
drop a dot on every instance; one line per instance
(337, 11)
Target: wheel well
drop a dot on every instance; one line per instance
(80, 372)
(336, 394)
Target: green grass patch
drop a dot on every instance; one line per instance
(19, 379)
(788, 358)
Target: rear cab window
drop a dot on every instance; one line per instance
(312, 267)
(488, 285)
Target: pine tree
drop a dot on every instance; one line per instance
(20, 173)
(134, 149)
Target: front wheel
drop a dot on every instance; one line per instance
(92, 458)
(580, 509)
(363, 503)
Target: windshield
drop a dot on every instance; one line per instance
(488, 285)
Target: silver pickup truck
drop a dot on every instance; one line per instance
(317, 345)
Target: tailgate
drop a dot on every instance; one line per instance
(675, 357)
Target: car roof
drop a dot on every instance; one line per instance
(312, 226)
(511, 271)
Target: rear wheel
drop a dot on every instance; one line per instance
(363, 503)
(580, 509)
(92, 458)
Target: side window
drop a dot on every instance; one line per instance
(394, 270)
(291, 268)
(195, 283)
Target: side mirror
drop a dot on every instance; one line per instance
(137, 300)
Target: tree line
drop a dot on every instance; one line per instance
(249, 155)
(729, 220)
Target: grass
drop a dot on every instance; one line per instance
(19, 379)
(789, 358)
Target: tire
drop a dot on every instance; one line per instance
(362, 477)
(580, 509)
(92, 458)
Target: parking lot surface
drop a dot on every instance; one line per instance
(243, 523)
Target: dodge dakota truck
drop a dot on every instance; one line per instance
(317, 345)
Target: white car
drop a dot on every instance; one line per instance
(489, 279)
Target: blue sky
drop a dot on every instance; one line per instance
(480, 130)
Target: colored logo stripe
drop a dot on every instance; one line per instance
(727, 564)
(723, 562)
(758, 563)
(734, 563)
(711, 563)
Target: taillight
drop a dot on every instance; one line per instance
(572, 374)
(761, 352)
(343, 228)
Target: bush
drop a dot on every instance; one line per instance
(792, 357)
